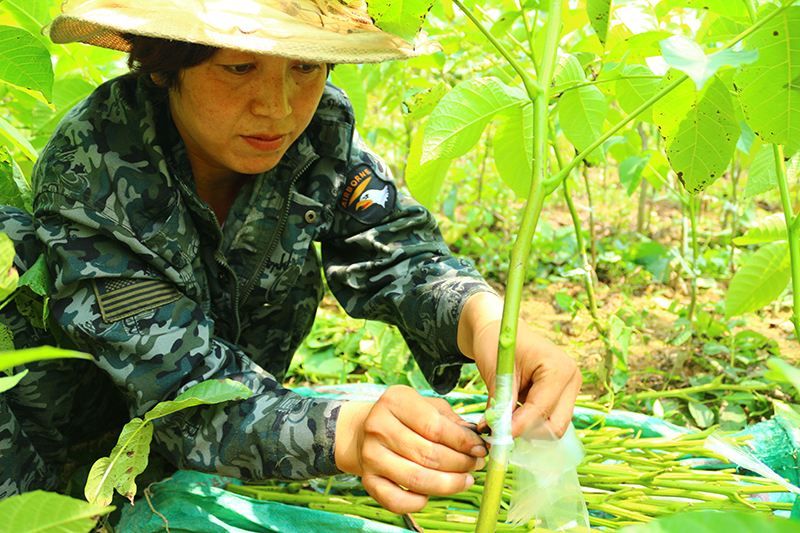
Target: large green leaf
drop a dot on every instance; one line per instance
(769, 229)
(14, 190)
(581, 114)
(761, 174)
(9, 382)
(714, 522)
(630, 171)
(461, 116)
(599, 17)
(118, 471)
(33, 16)
(762, 277)
(424, 181)
(786, 371)
(703, 145)
(41, 511)
(513, 149)
(37, 277)
(769, 89)
(670, 110)
(349, 79)
(400, 17)
(636, 89)
(8, 275)
(726, 8)
(204, 393)
(41, 353)
(420, 104)
(569, 71)
(687, 56)
(25, 62)
(11, 136)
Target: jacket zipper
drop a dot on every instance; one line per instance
(278, 230)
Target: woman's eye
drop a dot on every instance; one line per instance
(243, 68)
(307, 68)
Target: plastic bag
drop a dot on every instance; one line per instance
(547, 480)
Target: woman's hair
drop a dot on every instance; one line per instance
(162, 60)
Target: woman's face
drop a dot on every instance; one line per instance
(239, 112)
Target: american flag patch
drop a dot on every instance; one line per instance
(121, 298)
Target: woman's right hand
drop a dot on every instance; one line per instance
(406, 447)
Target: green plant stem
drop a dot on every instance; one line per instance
(553, 183)
(692, 205)
(530, 85)
(503, 400)
(794, 245)
(708, 387)
(592, 235)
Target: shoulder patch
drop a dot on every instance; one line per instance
(366, 196)
(121, 298)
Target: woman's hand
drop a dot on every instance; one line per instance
(406, 447)
(546, 380)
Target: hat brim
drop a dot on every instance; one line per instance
(272, 32)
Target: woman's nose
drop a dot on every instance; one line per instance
(271, 97)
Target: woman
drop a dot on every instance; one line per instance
(178, 207)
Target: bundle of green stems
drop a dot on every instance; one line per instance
(626, 479)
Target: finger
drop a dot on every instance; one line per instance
(419, 479)
(425, 419)
(433, 455)
(562, 414)
(554, 396)
(391, 496)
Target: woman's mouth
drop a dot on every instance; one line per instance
(265, 143)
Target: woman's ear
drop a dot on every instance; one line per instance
(158, 79)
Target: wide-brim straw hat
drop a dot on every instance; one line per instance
(325, 31)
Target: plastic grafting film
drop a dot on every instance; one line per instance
(547, 480)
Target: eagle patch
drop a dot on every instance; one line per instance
(367, 197)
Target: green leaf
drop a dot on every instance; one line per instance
(581, 114)
(461, 116)
(513, 148)
(762, 277)
(630, 172)
(8, 274)
(6, 339)
(421, 103)
(703, 145)
(424, 181)
(687, 56)
(25, 62)
(702, 415)
(598, 11)
(14, 190)
(770, 101)
(725, 8)
(400, 17)
(631, 93)
(33, 16)
(9, 382)
(714, 522)
(349, 79)
(732, 418)
(670, 110)
(204, 393)
(761, 175)
(569, 71)
(118, 471)
(48, 511)
(12, 136)
(769, 229)
(786, 371)
(41, 353)
(37, 277)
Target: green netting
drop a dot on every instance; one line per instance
(196, 502)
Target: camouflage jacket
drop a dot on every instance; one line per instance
(148, 281)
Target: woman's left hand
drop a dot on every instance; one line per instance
(546, 379)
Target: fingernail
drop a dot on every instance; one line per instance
(478, 451)
(470, 481)
(480, 463)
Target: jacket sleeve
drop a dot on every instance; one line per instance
(398, 269)
(155, 342)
